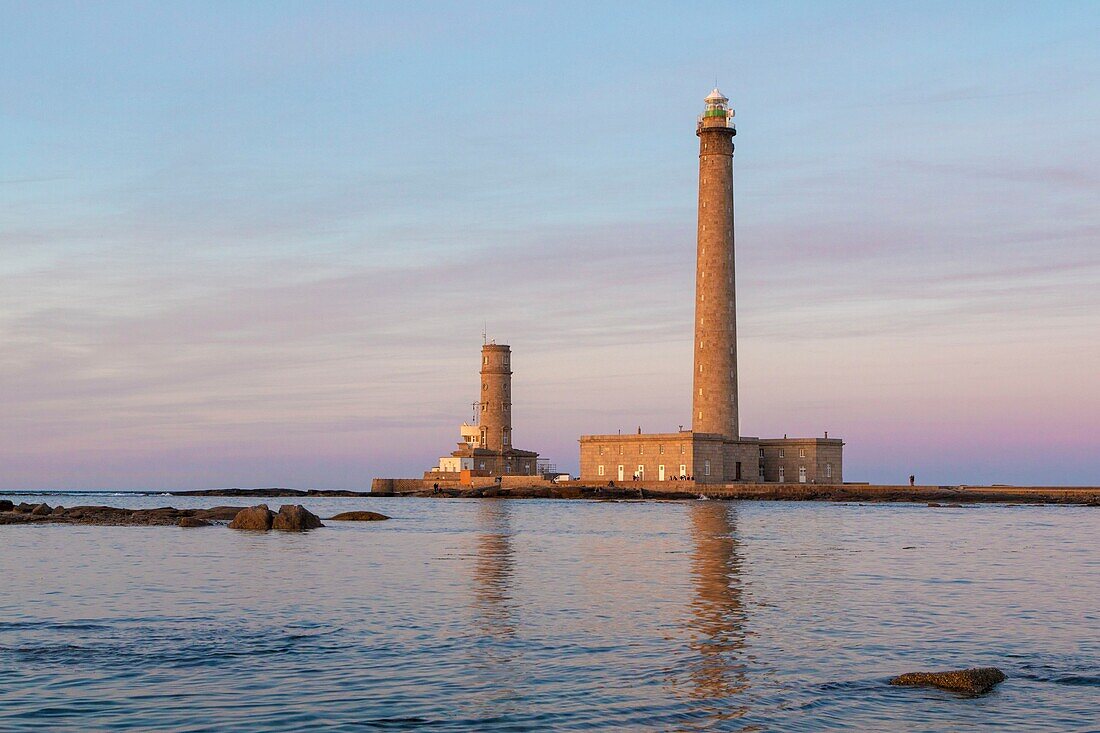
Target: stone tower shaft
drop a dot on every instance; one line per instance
(714, 397)
(495, 412)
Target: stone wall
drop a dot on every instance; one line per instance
(706, 458)
(650, 451)
(388, 486)
(746, 452)
(822, 459)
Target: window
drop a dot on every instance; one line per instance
(706, 468)
(485, 360)
(599, 471)
(483, 465)
(801, 452)
(620, 450)
(828, 470)
(661, 449)
(641, 449)
(683, 470)
(484, 386)
(801, 474)
(761, 453)
(601, 450)
(484, 405)
(641, 472)
(782, 478)
(781, 453)
(761, 471)
(681, 449)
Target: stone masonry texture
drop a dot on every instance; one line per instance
(714, 396)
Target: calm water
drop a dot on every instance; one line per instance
(520, 615)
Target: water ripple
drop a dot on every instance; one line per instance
(527, 615)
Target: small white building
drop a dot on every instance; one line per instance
(471, 436)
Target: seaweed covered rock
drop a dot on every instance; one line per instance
(193, 522)
(295, 518)
(218, 513)
(359, 517)
(976, 681)
(254, 517)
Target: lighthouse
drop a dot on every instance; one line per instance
(713, 450)
(714, 397)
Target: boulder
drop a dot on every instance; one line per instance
(254, 517)
(6, 505)
(193, 522)
(23, 507)
(359, 517)
(224, 513)
(976, 681)
(42, 510)
(295, 518)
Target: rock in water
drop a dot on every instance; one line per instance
(254, 517)
(218, 512)
(193, 522)
(976, 681)
(359, 517)
(295, 518)
(6, 505)
(42, 510)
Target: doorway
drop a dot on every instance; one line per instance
(661, 472)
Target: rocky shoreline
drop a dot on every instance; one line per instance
(291, 517)
(273, 493)
(932, 496)
(945, 496)
(111, 516)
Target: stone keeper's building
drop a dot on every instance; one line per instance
(713, 451)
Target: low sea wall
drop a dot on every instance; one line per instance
(527, 487)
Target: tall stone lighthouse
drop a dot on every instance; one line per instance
(713, 451)
(714, 398)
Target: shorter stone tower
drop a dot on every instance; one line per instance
(486, 448)
(496, 397)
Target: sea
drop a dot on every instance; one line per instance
(529, 615)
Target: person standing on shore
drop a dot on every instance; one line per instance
(912, 480)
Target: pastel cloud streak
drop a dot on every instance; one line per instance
(256, 245)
